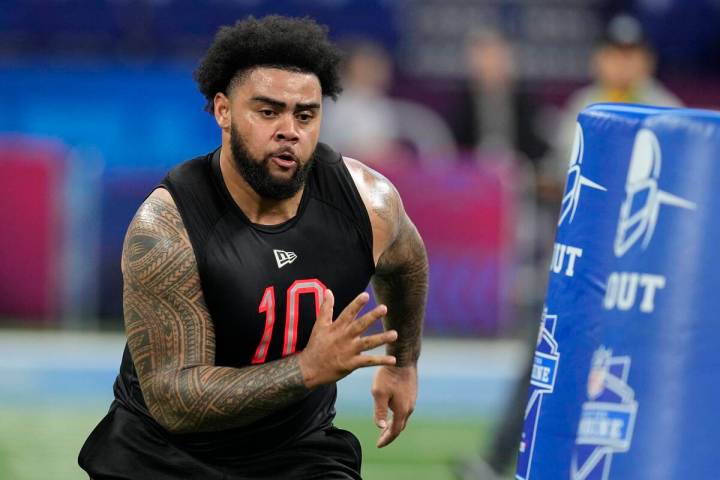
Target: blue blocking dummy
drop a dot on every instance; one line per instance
(626, 379)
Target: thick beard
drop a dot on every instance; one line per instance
(257, 174)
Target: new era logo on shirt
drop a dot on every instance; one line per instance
(284, 258)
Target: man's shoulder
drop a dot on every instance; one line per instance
(157, 226)
(372, 185)
(658, 94)
(190, 170)
(158, 208)
(382, 202)
(583, 96)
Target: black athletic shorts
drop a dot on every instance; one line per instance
(121, 447)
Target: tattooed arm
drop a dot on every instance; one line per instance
(400, 282)
(172, 341)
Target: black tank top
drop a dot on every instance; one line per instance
(263, 286)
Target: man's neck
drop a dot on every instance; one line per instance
(258, 209)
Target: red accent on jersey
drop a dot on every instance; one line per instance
(311, 285)
(267, 306)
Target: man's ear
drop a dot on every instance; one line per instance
(221, 109)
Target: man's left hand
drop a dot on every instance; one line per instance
(393, 388)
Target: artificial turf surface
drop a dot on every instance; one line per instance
(43, 443)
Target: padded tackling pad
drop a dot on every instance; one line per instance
(626, 376)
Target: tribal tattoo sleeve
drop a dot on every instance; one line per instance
(401, 281)
(171, 336)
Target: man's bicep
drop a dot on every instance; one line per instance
(166, 319)
(171, 336)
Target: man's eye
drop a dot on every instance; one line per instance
(304, 117)
(267, 113)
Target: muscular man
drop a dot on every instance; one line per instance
(244, 275)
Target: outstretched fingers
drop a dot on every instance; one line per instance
(364, 322)
(373, 341)
(326, 308)
(359, 326)
(362, 361)
(351, 311)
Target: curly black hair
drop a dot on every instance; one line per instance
(298, 44)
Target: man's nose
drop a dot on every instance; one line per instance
(287, 129)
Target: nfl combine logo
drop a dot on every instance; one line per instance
(607, 419)
(542, 382)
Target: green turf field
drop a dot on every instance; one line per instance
(423, 451)
(56, 386)
(43, 444)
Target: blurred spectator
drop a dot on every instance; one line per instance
(499, 119)
(494, 114)
(623, 67)
(368, 124)
(362, 120)
(496, 117)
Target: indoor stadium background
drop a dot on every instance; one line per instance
(97, 102)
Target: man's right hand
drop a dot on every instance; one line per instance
(335, 348)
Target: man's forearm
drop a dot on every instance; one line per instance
(172, 340)
(401, 283)
(209, 398)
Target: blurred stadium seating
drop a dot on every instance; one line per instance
(110, 84)
(112, 121)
